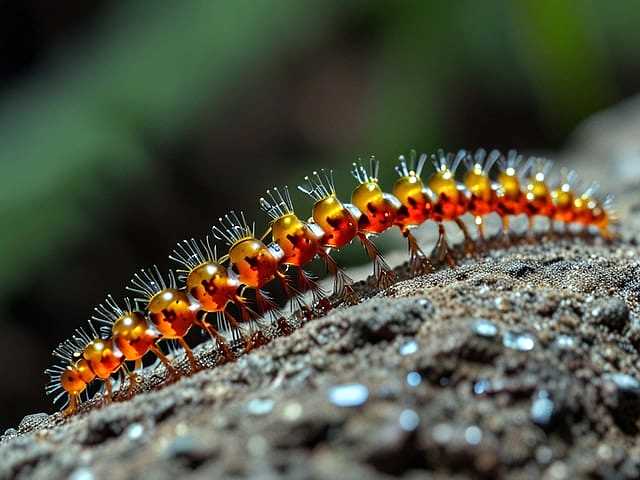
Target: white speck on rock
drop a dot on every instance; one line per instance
(348, 395)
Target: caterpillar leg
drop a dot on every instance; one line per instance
(469, 244)
(190, 356)
(230, 323)
(530, 223)
(246, 313)
(479, 221)
(108, 394)
(381, 270)
(132, 376)
(74, 402)
(308, 283)
(165, 361)
(265, 303)
(441, 251)
(607, 234)
(419, 262)
(506, 225)
(253, 336)
(218, 339)
(291, 292)
(343, 284)
(247, 335)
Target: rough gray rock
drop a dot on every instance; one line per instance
(520, 363)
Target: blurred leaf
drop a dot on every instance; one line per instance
(567, 64)
(140, 79)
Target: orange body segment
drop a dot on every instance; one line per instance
(132, 335)
(483, 198)
(511, 199)
(588, 211)
(103, 358)
(87, 375)
(339, 225)
(538, 197)
(253, 262)
(563, 202)
(298, 242)
(170, 311)
(379, 211)
(450, 203)
(210, 284)
(414, 198)
(72, 381)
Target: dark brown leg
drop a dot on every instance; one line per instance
(132, 376)
(607, 234)
(469, 244)
(187, 349)
(505, 225)
(264, 302)
(165, 361)
(233, 325)
(218, 339)
(381, 270)
(108, 390)
(343, 284)
(441, 251)
(419, 262)
(307, 283)
(479, 221)
(246, 314)
(294, 294)
(192, 359)
(74, 401)
(530, 222)
(506, 229)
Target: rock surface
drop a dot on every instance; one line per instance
(520, 363)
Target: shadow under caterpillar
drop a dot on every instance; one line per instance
(211, 292)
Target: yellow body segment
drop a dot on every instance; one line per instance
(538, 197)
(450, 203)
(483, 196)
(442, 183)
(102, 358)
(253, 262)
(339, 226)
(72, 381)
(415, 200)
(210, 284)
(563, 199)
(296, 239)
(511, 199)
(170, 311)
(378, 212)
(478, 183)
(132, 335)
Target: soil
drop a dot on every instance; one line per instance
(522, 362)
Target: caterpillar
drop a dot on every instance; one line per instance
(225, 296)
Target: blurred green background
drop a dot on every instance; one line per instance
(127, 126)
